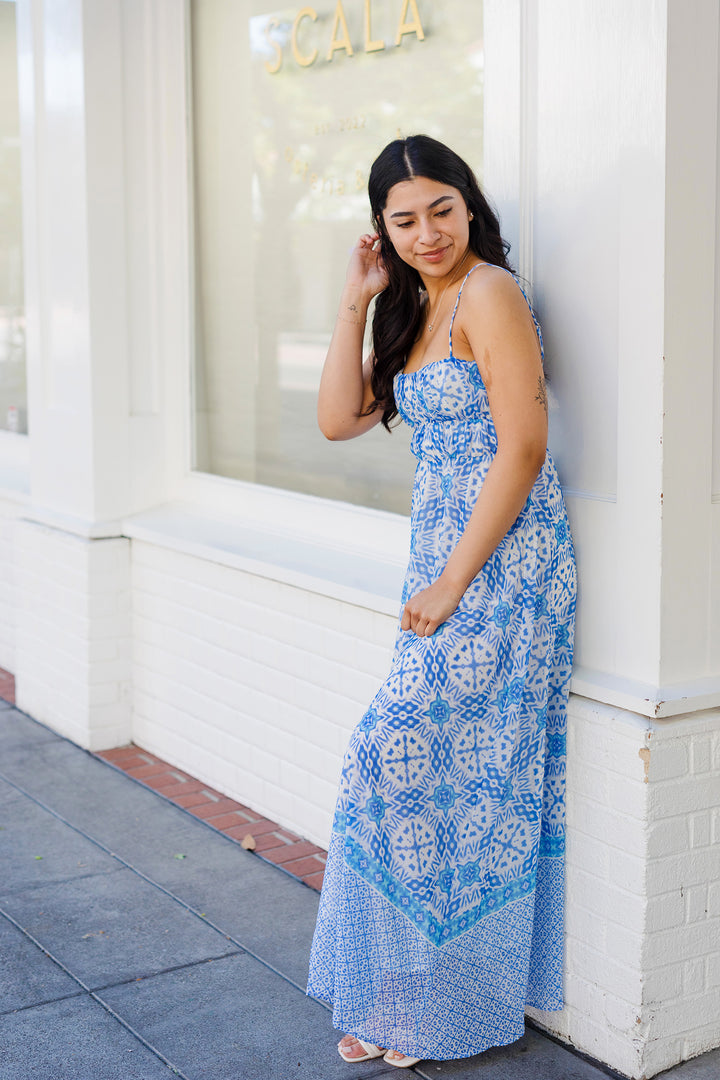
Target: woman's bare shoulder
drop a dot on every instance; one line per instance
(492, 284)
(492, 298)
(495, 321)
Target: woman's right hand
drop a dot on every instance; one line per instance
(366, 270)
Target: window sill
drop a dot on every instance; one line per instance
(365, 580)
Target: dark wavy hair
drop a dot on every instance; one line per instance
(398, 308)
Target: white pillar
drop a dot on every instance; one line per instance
(689, 649)
(72, 666)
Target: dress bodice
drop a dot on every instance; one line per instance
(446, 402)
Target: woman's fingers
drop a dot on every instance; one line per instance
(427, 610)
(420, 624)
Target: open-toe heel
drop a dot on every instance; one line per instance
(403, 1063)
(371, 1051)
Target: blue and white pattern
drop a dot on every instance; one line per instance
(441, 915)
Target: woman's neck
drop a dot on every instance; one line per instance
(434, 287)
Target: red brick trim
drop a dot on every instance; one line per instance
(266, 838)
(7, 686)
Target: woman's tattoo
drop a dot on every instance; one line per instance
(541, 396)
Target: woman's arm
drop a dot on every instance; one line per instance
(497, 329)
(345, 394)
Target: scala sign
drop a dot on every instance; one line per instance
(305, 53)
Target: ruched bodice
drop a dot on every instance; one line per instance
(447, 405)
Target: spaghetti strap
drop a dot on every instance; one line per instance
(538, 331)
(452, 317)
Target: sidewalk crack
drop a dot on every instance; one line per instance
(167, 971)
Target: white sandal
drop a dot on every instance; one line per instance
(371, 1051)
(404, 1062)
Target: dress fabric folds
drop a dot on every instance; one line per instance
(441, 915)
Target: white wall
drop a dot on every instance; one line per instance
(250, 684)
(72, 664)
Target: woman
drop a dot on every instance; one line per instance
(441, 912)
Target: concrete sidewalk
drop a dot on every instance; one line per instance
(138, 943)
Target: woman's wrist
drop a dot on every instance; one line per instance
(453, 585)
(353, 306)
(353, 317)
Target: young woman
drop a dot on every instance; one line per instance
(441, 912)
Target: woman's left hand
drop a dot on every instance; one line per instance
(426, 610)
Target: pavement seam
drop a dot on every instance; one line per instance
(168, 970)
(95, 997)
(39, 1004)
(161, 888)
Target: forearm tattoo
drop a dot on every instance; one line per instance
(541, 396)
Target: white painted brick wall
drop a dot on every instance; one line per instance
(643, 903)
(252, 685)
(72, 664)
(9, 511)
(684, 793)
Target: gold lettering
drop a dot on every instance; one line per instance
(289, 153)
(340, 187)
(359, 180)
(303, 61)
(405, 27)
(313, 181)
(273, 66)
(370, 45)
(339, 42)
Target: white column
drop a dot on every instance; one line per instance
(72, 665)
(689, 652)
(72, 131)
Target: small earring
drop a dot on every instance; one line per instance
(470, 216)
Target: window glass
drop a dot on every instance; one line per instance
(13, 394)
(290, 107)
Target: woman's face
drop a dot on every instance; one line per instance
(428, 225)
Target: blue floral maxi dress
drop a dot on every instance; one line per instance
(441, 915)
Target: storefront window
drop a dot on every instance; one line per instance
(13, 394)
(290, 106)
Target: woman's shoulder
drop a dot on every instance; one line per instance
(491, 292)
(487, 279)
